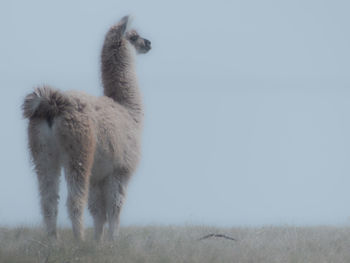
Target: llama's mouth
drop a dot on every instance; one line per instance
(144, 50)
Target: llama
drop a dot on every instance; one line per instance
(95, 139)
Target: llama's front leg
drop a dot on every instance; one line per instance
(115, 189)
(77, 180)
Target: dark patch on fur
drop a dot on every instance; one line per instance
(49, 120)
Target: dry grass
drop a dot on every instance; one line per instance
(180, 244)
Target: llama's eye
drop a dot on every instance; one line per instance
(133, 38)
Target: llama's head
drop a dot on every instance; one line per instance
(141, 45)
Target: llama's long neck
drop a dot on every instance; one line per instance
(118, 74)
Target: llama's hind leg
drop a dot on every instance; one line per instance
(78, 146)
(46, 159)
(97, 208)
(77, 178)
(48, 177)
(49, 186)
(115, 190)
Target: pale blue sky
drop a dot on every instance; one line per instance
(247, 106)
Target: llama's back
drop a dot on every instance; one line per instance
(72, 118)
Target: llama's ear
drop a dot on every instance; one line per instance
(124, 24)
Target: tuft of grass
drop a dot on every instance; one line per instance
(158, 244)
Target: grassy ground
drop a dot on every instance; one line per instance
(181, 244)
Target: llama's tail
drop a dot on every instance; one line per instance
(45, 103)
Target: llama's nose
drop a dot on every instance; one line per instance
(147, 43)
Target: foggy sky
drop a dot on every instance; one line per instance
(246, 106)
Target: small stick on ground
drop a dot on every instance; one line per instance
(217, 235)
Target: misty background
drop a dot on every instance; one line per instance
(246, 106)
